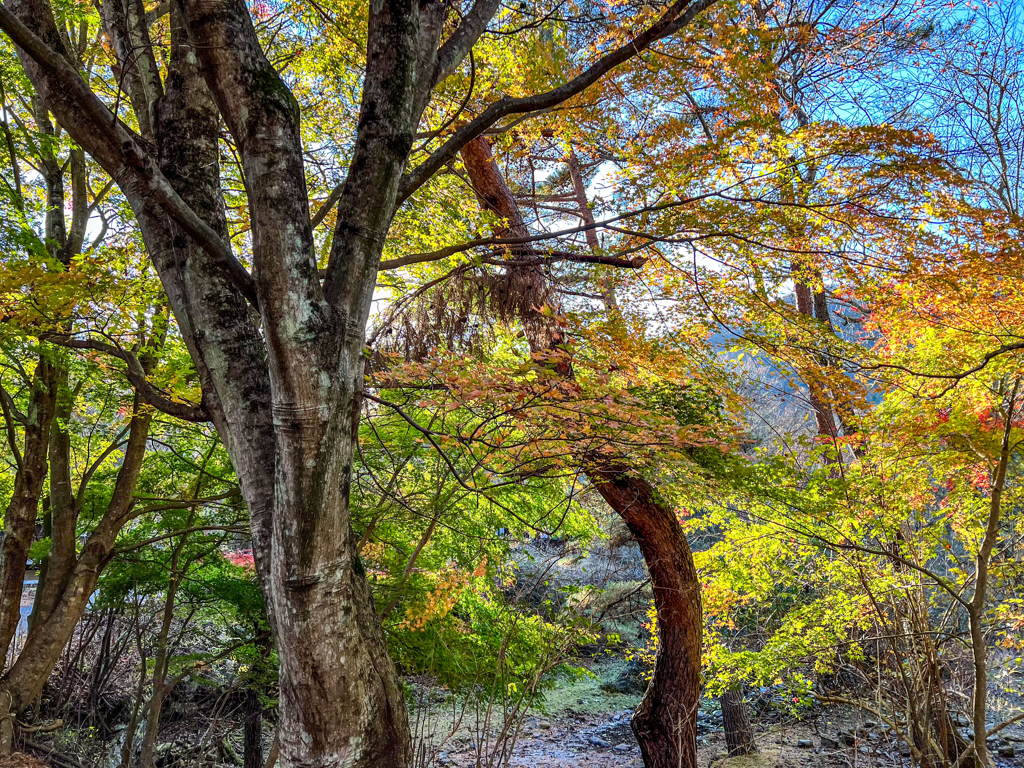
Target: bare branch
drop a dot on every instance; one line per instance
(549, 258)
(172, 534)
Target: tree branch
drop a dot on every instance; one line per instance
(387, 125)
(953, 378)
(451, 250)
(7, 406)
(115, 146)
(462, 40)
(183, 531)
(549, 258)
(678, 15)
(136, 376)
(263, 116)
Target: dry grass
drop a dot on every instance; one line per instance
(21, 760)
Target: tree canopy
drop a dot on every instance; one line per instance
(316, 317)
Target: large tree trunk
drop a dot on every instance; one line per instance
(340, 697)
(341, 702)
(665, 723)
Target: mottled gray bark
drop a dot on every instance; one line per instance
(285, 397)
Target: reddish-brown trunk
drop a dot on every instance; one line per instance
(665, 723)
(522, 291)
(579, 189)
(810, 304)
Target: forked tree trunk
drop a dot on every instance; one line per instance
(71, 577)
(291, 434)
(284, 393)
(739, 735)
(812, 304)
(665, 723)
(23, 682)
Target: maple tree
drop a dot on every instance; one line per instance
(435, 270)
(284, 398)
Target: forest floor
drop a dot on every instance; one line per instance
(584, 723)
(583, 726)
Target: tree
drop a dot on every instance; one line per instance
(48, 287)
(739, 735)
(285, 395)
(665, 723)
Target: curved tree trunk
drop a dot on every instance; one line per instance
(665, 723)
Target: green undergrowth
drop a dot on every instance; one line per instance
(585, 695)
